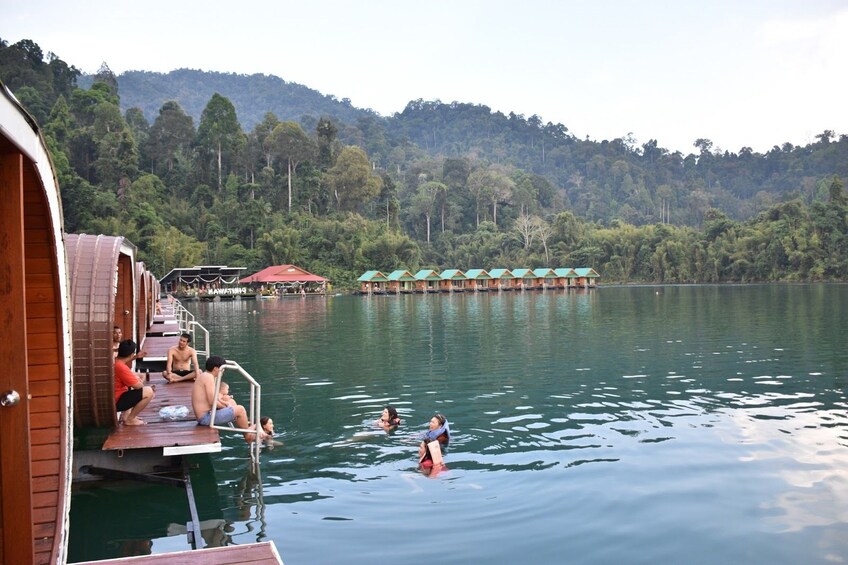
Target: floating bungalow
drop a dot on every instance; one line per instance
(35, 381)
(453, 280)
(501, 279)
(478, 279)
(373, 282)
(585, 277)
(50, 337)
(401, 281)
(544, 278)
(285, 280)
(427, 280)
(206, 282)
(104, 295)
(523, 279)
(564, 277)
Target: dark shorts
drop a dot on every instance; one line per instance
(182, 372)
(129, 399)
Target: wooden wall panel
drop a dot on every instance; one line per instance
(15, 471)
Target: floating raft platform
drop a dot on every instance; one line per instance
(264, 553)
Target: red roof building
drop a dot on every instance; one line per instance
(286, 274)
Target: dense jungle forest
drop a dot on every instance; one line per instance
(198, 168)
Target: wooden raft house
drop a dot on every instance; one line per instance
(401, 282)
(372, 282)
(35, 381)
(55, 342)
(477, 280)
(427, 280)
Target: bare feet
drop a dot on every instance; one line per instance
(134, 422)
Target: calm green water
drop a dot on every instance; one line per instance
(698, 425)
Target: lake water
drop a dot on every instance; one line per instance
(697, 424)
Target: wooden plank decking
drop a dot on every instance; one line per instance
(264, 553)
(157, 347)
(170, 327)
(176, 437)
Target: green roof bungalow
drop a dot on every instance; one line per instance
(453, 280)
(427, 280)
(372, 282)
(524, 279)
(401, 281)
(478, 279)
(564, 276)
(501, 279)
(544, 278)
(586, 277)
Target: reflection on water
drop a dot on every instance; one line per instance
(700, 425)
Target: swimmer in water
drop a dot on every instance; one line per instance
(389, 419)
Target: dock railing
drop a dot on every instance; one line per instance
(194, 328)
(253, 410)
(187, 323)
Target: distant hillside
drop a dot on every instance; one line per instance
(252, 95)
(600, 181)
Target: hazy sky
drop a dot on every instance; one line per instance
(753, 73)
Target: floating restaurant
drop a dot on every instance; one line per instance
(286, 280)
(206, 282)
(477, 280)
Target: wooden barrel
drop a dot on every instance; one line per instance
(35, 438)
(102, 276)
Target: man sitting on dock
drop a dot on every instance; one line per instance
(131, 396)
(203, 397)
(182, 362)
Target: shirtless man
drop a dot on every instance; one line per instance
(203, 396)
(182, 362)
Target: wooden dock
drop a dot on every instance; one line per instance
(264, 553)
(180, 436)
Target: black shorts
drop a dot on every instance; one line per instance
(182, 372)
(129, 399)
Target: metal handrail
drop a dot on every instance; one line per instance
(192, 330)
(252, 413)
(188, 324)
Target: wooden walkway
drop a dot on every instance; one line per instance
(179, 436)
(264, 553)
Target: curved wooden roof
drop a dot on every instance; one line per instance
(101, 269)
(35, 438)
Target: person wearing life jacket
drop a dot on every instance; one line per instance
(429, 453)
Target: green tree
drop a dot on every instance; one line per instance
(171, 135)
(220, 134)
(350, 179)
(292, 144)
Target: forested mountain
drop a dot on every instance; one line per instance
(600, 181)
(252, 95)
(338, 190)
